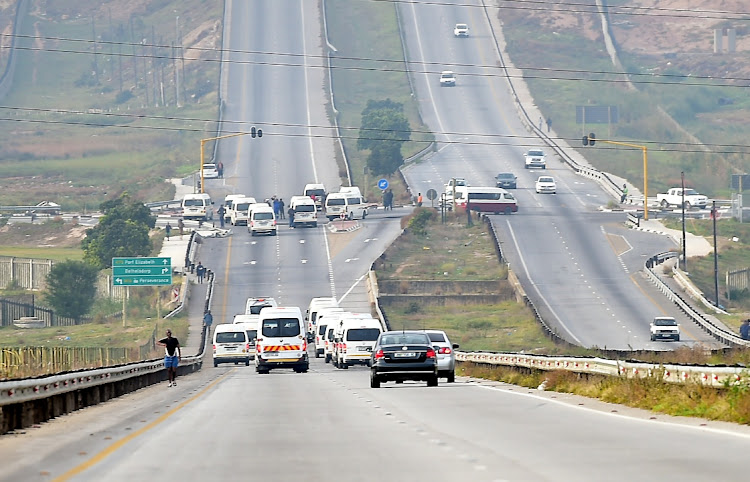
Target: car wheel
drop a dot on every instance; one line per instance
(687, 206)
(315, 225)
(677, 338)
(261, 371)
(374, 381)
(451, 377)
(317, 355)
(344, 366)
(328, 359)
(508, 211)
(664, 204)
(653, 338)
(216, 364)
(274, 233)
(432, 382)
(247, 363)
(252, 233)
(335, 362)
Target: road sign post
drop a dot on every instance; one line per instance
(383, 184)
(141, 272)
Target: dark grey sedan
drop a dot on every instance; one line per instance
(506, 180)
(403, 355)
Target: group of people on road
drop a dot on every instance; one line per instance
(278, 207)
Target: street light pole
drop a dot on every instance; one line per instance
(684, 242)
(716, 256)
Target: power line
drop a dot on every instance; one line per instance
(683, 147)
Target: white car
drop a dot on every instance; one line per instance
(665, 327)
(210, 171)
(447, 79)
(461, 30)
(535, 158)
(545, 185)
(446, 355)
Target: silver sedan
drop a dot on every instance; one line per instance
(446, 356)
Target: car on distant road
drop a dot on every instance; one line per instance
(506, 180)
(447, 79)
(665, 327)
(403, 355)
(535, 158)
(461, 30)
(545, 185)
(210, 171)
(446, 356)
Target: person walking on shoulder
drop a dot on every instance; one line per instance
(172, 356)
(181, 226)
(624, 195)
(168, 230)
(221, 212)
(200, 270)
(208, 320)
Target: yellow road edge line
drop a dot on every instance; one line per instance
(117, 445)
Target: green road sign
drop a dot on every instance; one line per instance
(141, 271)
(141, 280)
(141, 262)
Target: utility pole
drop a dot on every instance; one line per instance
(684, 242)
(716, 255)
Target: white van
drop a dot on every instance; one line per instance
(197, 206)
(317, 190)
(231, 344)
(281, 340)
(358, 337)
(250, 324)
(336, 320)
(261, 220)
(228, 205)
(240, 210)
(348, 205)
(323, 316)
(315, 304)
(328, 343)
(305, 212)
(254, 305)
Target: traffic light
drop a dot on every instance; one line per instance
(256, 132)
(589, 140)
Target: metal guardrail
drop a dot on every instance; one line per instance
(717, 376)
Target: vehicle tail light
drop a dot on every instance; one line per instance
(214, 348)
(430, 353)
(343, 347)
(304, 345)
(445, 351)
(274, 222)
(247, 346)
(379, 354)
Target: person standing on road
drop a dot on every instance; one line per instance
(208, 320)
(549, 124)
(388, 198)
(181, 226)
(172, 356)
(221, 211)
(200, 270)
(419, 200)
(220, 169)
(277, 208)
(168, 229)
(290, 212)
(281, 207)
(624, 195)
(745, 330)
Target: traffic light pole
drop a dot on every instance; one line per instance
(591, 139)
(253, 133)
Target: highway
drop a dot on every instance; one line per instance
(229, 423)
(576, 262)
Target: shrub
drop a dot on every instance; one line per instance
(413, 308)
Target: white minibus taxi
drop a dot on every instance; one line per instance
(305, 212)
(197, 206)
(281, 340)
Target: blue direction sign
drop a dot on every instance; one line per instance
(383, 184)
(141, 271)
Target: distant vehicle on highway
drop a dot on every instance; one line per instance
(210, 171)
(461, 30)
(506, 180)
(197, 206)
(665, 327)
(674, 197)
(403, 355)
(254, 305)
(492, 200)
(545, 185)
(447, 79)
(535, 158)
(446, 356)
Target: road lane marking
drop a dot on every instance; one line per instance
(120, 443)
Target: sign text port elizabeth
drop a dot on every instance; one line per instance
(141, 271)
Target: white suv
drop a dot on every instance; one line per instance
(665, 327)
(461, 30)
(535, 158)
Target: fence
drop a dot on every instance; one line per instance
(36, 361)
(26, 273)
(737, 281)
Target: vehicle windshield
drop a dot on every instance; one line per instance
(447, 76)
(534, 153)
(256, 307)
(317, 192)
(461, 26)
(336, 202)
(207, 167)
(691, 192)
(505, 175)
(546, 179)
(304, 208)
(405, 339)
(193, 202)
(262, 216)
(241, 207)
(436, 337)
(279, 327)
(230, 337)
(362, 334)
(665, 322)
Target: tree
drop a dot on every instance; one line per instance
(117, 238)
(122, 231)
(383, 131)
(71, 288)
